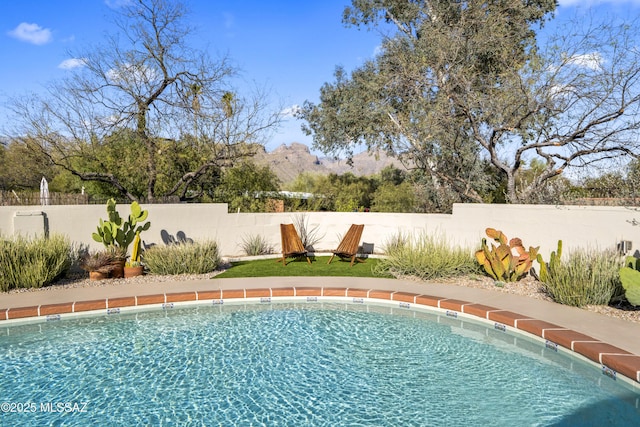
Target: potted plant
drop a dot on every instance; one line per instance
(117, 234)
(98, 264)
(134, 267)
(119, 258)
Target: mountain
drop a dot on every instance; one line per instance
(289, 161)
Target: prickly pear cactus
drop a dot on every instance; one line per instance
(630, 278)
(506, 260)
(115, 231)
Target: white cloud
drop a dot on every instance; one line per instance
(32, 33)
(592, 61)
(69, 64)
(290, 112)
(132, 74)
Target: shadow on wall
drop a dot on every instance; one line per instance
(178, 239)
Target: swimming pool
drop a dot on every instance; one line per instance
(319, 364)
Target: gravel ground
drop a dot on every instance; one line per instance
(527, 287)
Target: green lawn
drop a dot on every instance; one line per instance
(300, 267)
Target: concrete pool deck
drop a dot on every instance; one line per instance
(610, 342)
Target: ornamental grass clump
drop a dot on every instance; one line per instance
(33, 262)
(426, 257)
(256, 245)
(184, 258)
(585, 277)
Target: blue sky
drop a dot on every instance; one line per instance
(291, 47)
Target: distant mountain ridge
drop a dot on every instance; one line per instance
(289, 161)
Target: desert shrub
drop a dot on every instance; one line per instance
(426, 257)
(585, 277)
(395, 242)
(33, 262)
(186, 258)
(256, 245)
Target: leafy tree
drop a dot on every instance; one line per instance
(460, 84)
(401, 101)
(247, 187)
(390, 197)
(22, 168)
(336, 193)
(142, 93)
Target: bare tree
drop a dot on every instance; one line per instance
(574, 105)
(145, 79)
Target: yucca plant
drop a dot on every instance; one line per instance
(184, 258)
(33, 262)
(310, 236)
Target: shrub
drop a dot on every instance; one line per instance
(426, 257)
(186, 258)
(586, 277)
(101, 261)
(255, 245)
(33, 262)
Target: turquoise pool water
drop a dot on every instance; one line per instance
(296, 365)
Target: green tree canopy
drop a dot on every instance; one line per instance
(461, 85)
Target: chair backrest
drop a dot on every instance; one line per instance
(291, 243)
(351, 241)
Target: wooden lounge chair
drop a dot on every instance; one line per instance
(348, 247)
(291, 244)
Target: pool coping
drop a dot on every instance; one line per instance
(609, 342)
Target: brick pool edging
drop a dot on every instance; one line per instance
(612, 359)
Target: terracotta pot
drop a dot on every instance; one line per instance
(133, 271)
(98, 275)
(118, 269)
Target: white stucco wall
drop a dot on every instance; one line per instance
(536, 225)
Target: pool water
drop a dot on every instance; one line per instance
(322, 364)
